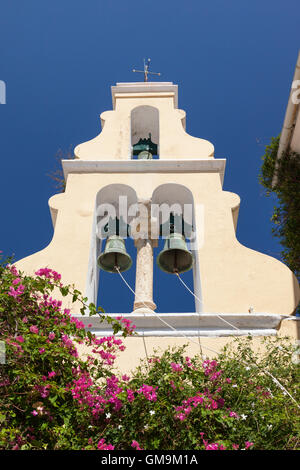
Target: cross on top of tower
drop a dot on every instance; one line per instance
(146, 70)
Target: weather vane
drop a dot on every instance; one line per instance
(146, 70)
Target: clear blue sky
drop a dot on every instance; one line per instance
(59, 59)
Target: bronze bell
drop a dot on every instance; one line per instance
(114, 255)
(175, 257)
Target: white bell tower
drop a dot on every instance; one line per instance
(229, 278)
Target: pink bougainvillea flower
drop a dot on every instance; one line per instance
(176, 367)
(130, 395)
(34, 329)
(148, 391)
(248, 444)
(128, 324)
(136, 445)
(20, 339)
(12, 292)
(213, 445)
(13, 270)
(103, 446)
(48, 273)
(16, 292)
(42, 350)
(51, 335)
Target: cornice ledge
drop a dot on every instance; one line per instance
(193, 324)
(145, 166)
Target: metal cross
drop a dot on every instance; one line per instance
(146, 70)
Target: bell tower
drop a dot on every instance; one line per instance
(145, 177)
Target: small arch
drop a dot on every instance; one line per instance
(144, 124)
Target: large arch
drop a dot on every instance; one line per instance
(179, 198)
(109, 194)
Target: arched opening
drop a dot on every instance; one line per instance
(169, 294)
(104, 288)
(144, 122)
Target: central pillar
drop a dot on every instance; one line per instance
(144, 267)
(144, 277)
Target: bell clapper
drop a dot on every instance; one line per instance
(116, 263)
(175, 270)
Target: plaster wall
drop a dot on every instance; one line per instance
(114, 142)
(128, 360)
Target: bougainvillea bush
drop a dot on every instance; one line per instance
(50, 398)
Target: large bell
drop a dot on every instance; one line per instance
(114, 255)
(175, 257)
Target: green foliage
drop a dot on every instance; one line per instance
(286, 215)
(51, 398)
(42, 364)
(225, 403)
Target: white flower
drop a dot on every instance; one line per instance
(234, 385)
(146, 426)
(152, 412)
(253, 404)
(108, 415)
(243, 417)
(247, 368)
(269, 426)
(120, 426)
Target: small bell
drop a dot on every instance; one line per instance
(145, 155)
(114, 255)
(175, 257)
(145, 149)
